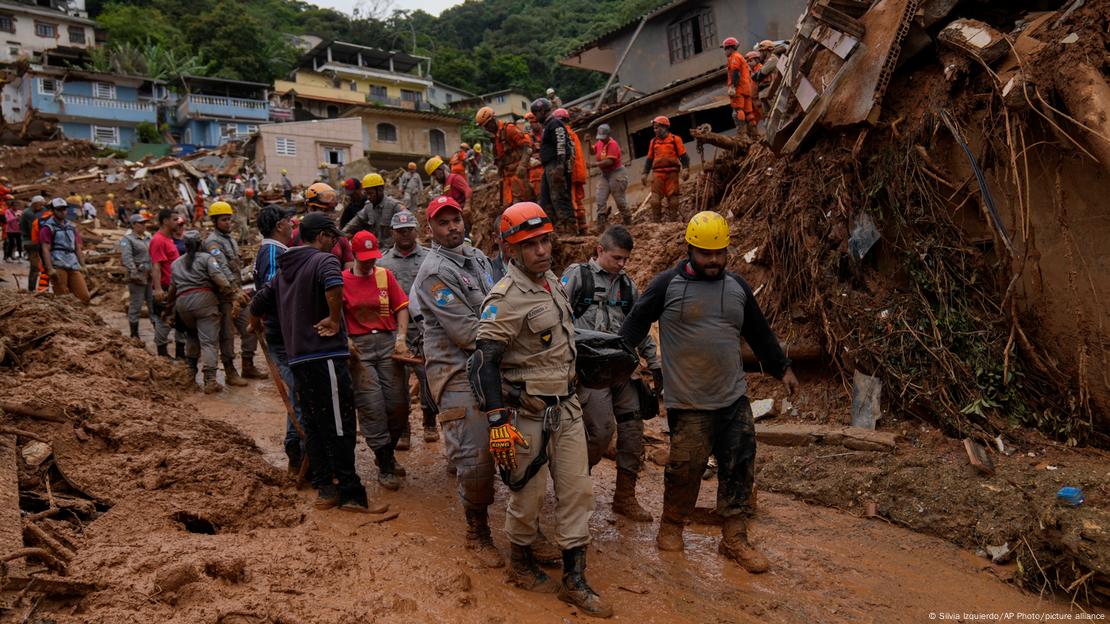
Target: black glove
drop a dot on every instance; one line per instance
(657, 380)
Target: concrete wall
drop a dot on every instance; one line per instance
(79, 130)
(208, 132)
(413, 134)
(24, 41)
(311, 138)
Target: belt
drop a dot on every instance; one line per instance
(378, 331)
(189, 290)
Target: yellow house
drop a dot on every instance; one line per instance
(507, 105)
(334, 76)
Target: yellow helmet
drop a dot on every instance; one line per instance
(372, 180)
(88, 198)
(111, 195)
(483, 115)
(284, 171)
(138, 203)
(435, 162)
(219, 208)
(478, 147)
(707, 230)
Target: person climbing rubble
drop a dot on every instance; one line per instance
(376, 213)
(511, 153)
(739, 83)
(523, 374)
(412, 188)
(557, 157)
(614, 180)
(703, 312)
(454, 185)
(535, 167)
(134, 250)
(601, 295)
(579, 175)
(62, 253)
(666, 155)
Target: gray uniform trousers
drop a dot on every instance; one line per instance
(229, 327)
(615, 183)
(381, 391)
(607, 410)
(200, 312)
(139, 295)
(466, 442)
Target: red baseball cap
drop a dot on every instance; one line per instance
(440, 203)
(350, 184)
(365, 246)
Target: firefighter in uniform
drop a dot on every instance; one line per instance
(511, 152)
(523, 375)
(225, 250)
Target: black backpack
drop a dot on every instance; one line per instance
(585, 297)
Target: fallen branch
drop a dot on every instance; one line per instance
(49, 559)
(56, 547)
(31, 412)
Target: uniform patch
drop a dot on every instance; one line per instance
(215, 251)
(489, 279)
(545, 339)
(442, 295)
(490, 313)
(502, 285)
(564, 280)
(538, 310)
(466, 280)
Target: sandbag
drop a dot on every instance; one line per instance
(604, 360)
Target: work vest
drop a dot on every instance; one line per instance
(665, 154)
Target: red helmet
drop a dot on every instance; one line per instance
(560, 113)
(523, 221)
(753, 55)
(249, 192)
(662, 121)
(730, 42)
(350, 184)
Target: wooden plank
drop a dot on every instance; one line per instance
(11, 525)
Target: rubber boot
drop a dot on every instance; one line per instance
(525, 574)
(544, 552)
(575, 590)
(250, 372)
(656, 205)
(191, 363)
(211, 386)
(602, 222)
(163, 350)
(479, 540)
(624, 498)
(179, 350)
(404, 443)
(735, 546)
(134, 330)
(231, 376)
(431, 433)
(387, 477)
(669, 537)
(295, 455)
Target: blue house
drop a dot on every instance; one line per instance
(102, 108)
(212, 111)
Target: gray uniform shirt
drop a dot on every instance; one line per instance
(134, 254)
(375, 218)
(410, 183)
(605, 313)
(448, 291)
(404, 268)
(204, 272)
(226, 252)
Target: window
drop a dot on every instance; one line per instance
(387, 133)
(107, 135)
(229, 131)
(411, 96)
(335, 155)
(252, 129)
(378, 93)
(332, 111)
(48, 86)
(49, 31)
(76, 34)
(691, 35)
(450, 96)
(354, 86)
(286, 147)
(499, 99)
(7, 24)
(104, 90)
(438, 141)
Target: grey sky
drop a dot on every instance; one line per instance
(430, 6)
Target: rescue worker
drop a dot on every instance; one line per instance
(377, 213)
(163, 252)
(198, 285)
(614, 179)
(458, 159)
(28, 228)
(375, 310)
(601, 294)
(455, 186)
(404, 260)
(523, 373)
(354, 200)
(110, 207)
(286, 186)
(579, 174)
(739, 90)
(703, 312)
(511, 152)
(320, 197)
(234, 319)
(665, 157)
(557, 156)
(134, 250)
(535, 167)
(448, 292)
(306, 296)
(556, 101)
(61, 253)
(412, 188)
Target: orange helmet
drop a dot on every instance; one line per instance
(321, 195)
(530, 116)
(523, 221)
(662, 121)
(483, 116)
(730, 42)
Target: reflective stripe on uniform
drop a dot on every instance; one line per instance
(334, 385)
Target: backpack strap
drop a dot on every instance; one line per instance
(585, 297)
(381, 279)
(625, 302)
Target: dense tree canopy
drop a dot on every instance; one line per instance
(480, 45)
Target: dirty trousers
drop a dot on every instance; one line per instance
(614, 184)
(326, 397)
(66, 281)
(34, 257)
(381, 391)
(555, 198)
(281, 361)
(605, 410)
(229, 326)
(466, 441)
(139, 295)
(569, 469)
(199, 312)
(729, 434)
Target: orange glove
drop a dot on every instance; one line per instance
(502, 444)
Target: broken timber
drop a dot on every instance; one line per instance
(803, 435)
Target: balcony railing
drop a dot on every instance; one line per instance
(222, 106)
(234, 102)
(400, 103)
(81, 100)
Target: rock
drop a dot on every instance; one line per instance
(36, 452)
(763, 408)
(175, 576)
(787, 435)
(455, 583)
(866, 400)
(999, 554)
(977, 456)
(1072, 38)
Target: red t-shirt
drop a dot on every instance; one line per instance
(342, 249)
(608, 149)
(164, 251)
(362, 302)
(456, 188)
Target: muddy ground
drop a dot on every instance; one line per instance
(195, 521)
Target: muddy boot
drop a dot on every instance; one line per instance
(179, 350)
(163, 350)
(575, 590)
(624, 498)
(669, 537)
(191, 363)
(403, 443)
(387, 476)
(250, 372)
(134, 330)
(735, 546)
(294, 454)
(602, 222)
(710, 469)
(231, 376)
(656, 206)
(479, 541)
(211, 386)
(525, 574)
(326, 497)
(431, 435)
(544, 552)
